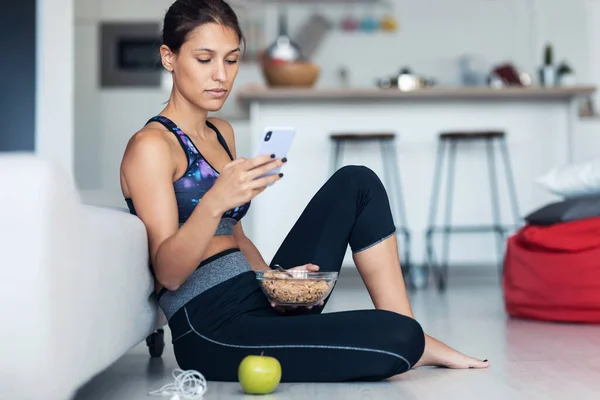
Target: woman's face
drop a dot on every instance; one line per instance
(206, 66)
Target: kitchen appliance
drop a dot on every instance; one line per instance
(129, 54)
(283, 48)
(405, 81)
(473, 70)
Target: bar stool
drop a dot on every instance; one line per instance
(451, 140)
(387, 143)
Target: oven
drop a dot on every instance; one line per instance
(129, 54)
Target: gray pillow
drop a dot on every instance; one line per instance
(572, 209)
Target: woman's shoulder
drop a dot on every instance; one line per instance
(149, 139)
(148, 159)
(149, 143)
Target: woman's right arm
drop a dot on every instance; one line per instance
(148, 170)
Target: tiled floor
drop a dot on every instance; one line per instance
(530, 360)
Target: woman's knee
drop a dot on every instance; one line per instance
(409, 339)
(402, 337)
(359, 175)
(416, 339)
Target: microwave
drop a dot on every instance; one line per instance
(129, 54)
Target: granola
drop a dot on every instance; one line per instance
(286, 290)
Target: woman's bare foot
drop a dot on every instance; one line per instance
(439, 354)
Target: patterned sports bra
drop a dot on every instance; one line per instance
(197, 179)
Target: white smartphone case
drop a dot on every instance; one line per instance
(275, 141)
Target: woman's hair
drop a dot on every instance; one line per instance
(186, 15)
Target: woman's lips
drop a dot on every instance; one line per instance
(217, 93)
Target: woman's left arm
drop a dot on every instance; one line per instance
(248, 248)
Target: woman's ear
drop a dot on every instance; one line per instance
(167, 58)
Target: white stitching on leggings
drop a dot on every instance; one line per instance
(180, 336)
(374, 244)
(301, 346)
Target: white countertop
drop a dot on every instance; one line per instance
(434, 93)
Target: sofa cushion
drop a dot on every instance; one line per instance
(573, 180)
(566, 210)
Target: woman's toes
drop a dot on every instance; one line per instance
(479, 364)
(461, 361)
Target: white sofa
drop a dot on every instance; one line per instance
(76, 291)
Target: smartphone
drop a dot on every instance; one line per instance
(275, 141)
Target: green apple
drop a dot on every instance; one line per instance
(259, 374)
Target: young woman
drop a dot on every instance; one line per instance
(181, 176)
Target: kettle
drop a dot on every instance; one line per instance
(405, 81)
(283, 48)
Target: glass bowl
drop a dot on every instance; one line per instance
(301, 289)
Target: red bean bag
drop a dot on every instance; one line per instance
(552, 273)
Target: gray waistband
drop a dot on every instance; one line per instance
(205, 277)
(225, 226)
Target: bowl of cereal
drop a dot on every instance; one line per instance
(296, 288)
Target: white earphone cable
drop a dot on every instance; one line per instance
(188, 385)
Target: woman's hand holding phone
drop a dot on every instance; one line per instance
(241, 180)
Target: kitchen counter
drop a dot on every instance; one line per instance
(434, 93)
(542, 127)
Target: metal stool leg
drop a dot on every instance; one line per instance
(512, 191)
(402, 206)
(433, 205)
(494, 197)
(389, 184)
(443, 273)
(337, 156)
(397, 182)
(391, 167)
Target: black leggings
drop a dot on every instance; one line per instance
(218, 328)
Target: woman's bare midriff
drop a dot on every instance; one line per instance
(217, 245)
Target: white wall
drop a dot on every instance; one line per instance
(435, 33)
(592, 11)
(55, 95)
(589, 129)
